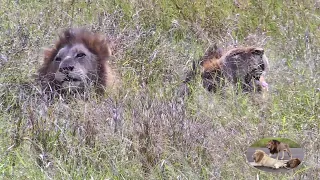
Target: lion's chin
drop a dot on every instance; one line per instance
(71, 85)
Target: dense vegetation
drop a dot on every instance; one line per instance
(149, 130)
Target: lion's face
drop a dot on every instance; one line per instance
(79, 59)
(258, 155)
(270, 145)
(259, 63)
(245, 63)
(246, 66)
(74, 66)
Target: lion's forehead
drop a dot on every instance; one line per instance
(72, 49)
(62, 51)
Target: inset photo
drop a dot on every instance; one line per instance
(275, 154)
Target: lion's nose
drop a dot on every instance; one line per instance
(66, 69)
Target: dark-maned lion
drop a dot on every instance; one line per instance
(276, 147)
(78, 59)
(245, 66)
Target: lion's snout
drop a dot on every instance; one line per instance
(66, 69)
(67, 65)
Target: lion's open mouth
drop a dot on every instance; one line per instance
(70, 82)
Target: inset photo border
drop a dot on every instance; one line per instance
(275, 154)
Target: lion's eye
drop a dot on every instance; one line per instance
(57, 59)
(79, 55)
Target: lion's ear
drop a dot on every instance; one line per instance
(257, 51)
(218, 52)
(47, 52)
(214, 51)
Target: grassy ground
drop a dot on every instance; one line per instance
(147, 131)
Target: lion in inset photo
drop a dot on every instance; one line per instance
(244, 67)
(79, 59)
(276, 147)
(261, 158)
(293, 163)
(257, 154)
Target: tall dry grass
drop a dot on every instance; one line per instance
(148, 130)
